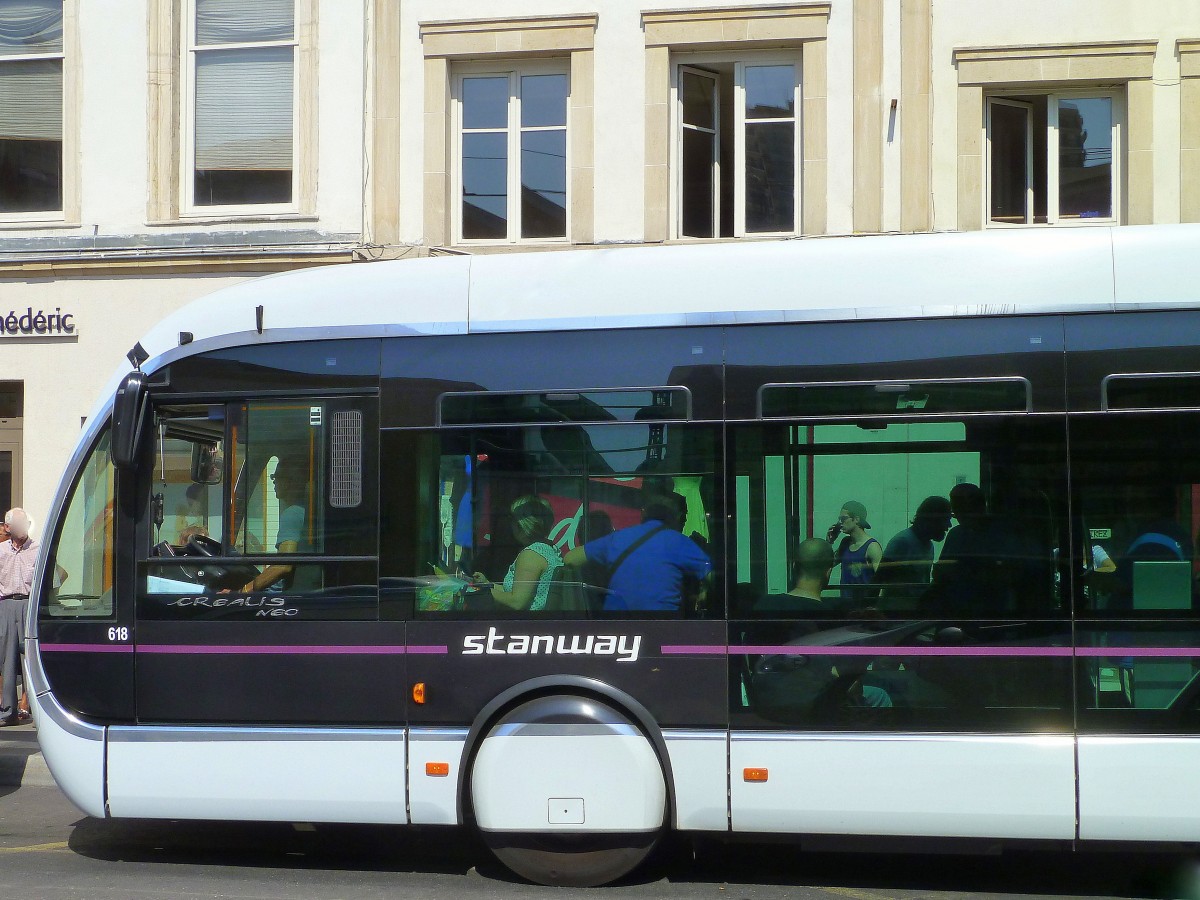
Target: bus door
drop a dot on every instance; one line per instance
(86, 618)
(897, 670)
(258, 588)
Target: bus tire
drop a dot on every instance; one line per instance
(567, 791)
(571, 860)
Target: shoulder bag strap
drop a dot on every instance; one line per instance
(612, 570)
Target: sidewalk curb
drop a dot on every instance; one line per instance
(21, 762)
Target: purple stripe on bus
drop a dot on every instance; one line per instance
(87, 648)
(695, 649)
(274, 649)
(858, 650)
(428, 649)
(1137, 651)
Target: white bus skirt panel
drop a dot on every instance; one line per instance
(1139, 788)
(699, 761)
(978, 786)
(257, 774)
(572, 782)
(73, 751)
(433, 798)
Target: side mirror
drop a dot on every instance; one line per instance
(129, 409)
(206, 464)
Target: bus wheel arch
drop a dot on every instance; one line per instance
(559, 752)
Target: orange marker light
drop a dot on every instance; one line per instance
(418, 692)
(755, 775)
(438, 770)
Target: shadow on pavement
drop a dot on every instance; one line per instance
(398, 849)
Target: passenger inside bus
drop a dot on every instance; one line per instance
(651, 566)
(527, 583)
(811, 570)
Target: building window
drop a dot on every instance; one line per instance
(512, 154)
(31, 106)
(240, 104)
(736, 147)
(1053, 158)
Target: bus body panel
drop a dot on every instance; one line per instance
(699, 771)
(1139, 788)
(432, 790)
(979, 786)
(73, 750)
(271, 673)
(258, 774)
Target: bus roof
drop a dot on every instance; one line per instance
(817, 279)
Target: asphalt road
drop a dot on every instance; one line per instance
(49, 850)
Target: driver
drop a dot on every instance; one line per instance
(291, 487)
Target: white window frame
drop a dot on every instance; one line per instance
(48, 215)
(513, 130)
(187, 118)
(1053, 99)
(696, 62)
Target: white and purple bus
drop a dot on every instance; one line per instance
(259, 598)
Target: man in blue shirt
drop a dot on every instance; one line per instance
(653, 576)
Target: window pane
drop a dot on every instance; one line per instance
(485, 102)
(31, 135)
(82, 572)
(188, 477)
(237, 21)
(1137, 488)
(1085, 157)
(698, 175)
(771, 177)
(881, 497)
(699, 100)
(1009, 142)
(544, 184)
(478, 499)
(770, 92)
(244, 126)
(891, 398)
(485, 186)
(543, 100)
(30, 26)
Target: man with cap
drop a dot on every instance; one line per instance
(17, 558)
(858, 553)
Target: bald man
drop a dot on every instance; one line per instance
(17, 558)
(811, 569)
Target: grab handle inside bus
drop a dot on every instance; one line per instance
(129, 408)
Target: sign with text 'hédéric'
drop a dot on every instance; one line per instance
(29, 322)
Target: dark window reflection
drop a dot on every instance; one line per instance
(485, 102)
(771, 177)
(911, 675)
(544, 184)
(1009, 137)
(1085, 158)
(698, 174)
(485, 185)
(543, 100)
(31, 136)
(770, 92)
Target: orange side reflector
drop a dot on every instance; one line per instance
(440, 770)
(418, 692)
(754, 774)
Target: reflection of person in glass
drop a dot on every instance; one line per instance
(291, 487)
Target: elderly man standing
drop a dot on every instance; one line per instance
(17, 558)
